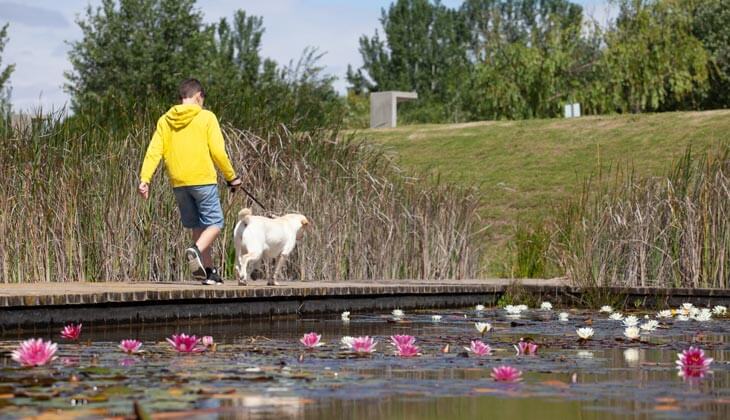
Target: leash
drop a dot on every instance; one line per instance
(233, 189)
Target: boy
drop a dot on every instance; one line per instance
(190, 140)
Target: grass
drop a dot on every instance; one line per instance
(523, 169)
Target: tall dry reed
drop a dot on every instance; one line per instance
(671, 231)
(70, 211)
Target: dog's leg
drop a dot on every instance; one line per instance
(277, 271)
(247, 264)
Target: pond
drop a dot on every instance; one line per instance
(259, 368)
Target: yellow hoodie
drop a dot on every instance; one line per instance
(190, 140)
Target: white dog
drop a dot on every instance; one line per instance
(257, 236)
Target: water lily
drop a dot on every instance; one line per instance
(506, 373)
(346, 342)
(130, 346)
(719, 310)
(35, 352)
(526, 347)
(402, 340)
(311, 340)
(649, 325)
(407, 350)
(397, 314)
(616, 316)
(522, 307)
(563, 316)
(666, 313)
(482, 327)
(682, 317)
(585, 333)
(606, 308)
(479, 348)
(184, 343)
(512, 310)
(692, 363)
(631, 321)
(71, 331)
(546, 306)
(479, 308)
(436, 318)
(363, 345)
(207, 341)
(703, 316)
(687, 306)
(632, 333)
(345, 316)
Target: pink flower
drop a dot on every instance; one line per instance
(363, 345)
(207, 341)
(479, 348)
(35, 352)
(184, 343)
(130, 346)
(506, 374)
(407, 350)
(692, 363)
(526, 347)
(311, 340)
(399, 340)
(71, 331)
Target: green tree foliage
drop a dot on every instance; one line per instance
(711, 25)
(4, 74)
(651, 56)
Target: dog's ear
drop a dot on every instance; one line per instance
(305, 222)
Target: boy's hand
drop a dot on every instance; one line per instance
(144, 190)
(233, 185)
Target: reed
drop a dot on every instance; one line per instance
(671, 231)
(70, 211)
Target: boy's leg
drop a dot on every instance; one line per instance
(210, 224)
(204, 238)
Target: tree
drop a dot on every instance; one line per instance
(711, 25)
(4, 74)
(651, 57)
(136, 51)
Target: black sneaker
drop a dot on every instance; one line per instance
(195, 263)
(212, 277)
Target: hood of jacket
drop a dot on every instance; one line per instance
(179, 116)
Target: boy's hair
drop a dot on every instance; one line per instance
(189, 88)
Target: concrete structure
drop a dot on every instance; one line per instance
(33, 305)
(384, 107)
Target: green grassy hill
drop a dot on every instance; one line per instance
(523, 168)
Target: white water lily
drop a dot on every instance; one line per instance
(666, 313)
(345, 316)
(397, 313)
(682, 317)
(546, 306)
(347, 341)
(606, 308)
(435, 318)
(694, 312)
(632, 333)
(649, 325)
(563, 316)
(512, 310)
(522, 307)
(482, 327)
(616, 316)
(703, 316)
(719, 310)
(631, 321)
(479, 308)
(687, 306)
(584, 333)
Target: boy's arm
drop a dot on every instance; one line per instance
(217, 148)
(152, 157)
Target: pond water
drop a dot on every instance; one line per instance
(259, 369)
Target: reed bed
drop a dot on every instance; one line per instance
(671, 231)
(70, 211)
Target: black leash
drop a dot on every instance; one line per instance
(233, 189)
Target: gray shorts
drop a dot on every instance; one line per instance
(200, 206)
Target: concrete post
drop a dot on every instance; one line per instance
(383, 107)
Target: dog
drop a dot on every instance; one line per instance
(258, 236)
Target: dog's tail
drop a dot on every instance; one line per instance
(243, 215)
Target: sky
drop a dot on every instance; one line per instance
(40, 31)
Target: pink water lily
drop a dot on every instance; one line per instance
(208, 341)
(35, 352)
(407, 350)
(311, 340)
(184, 343)
(479, 348)
(506, 374)
(130, 346)
(693, 363)
(400, 340)
(363, 345)
(71, 331)
(526, 347)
